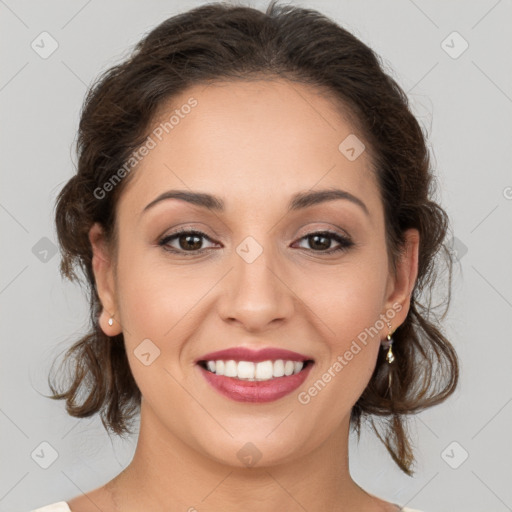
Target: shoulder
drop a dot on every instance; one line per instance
(393, 507)
(59, 506)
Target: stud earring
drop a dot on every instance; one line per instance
(110, 321)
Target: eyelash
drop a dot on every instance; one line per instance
(345, 242)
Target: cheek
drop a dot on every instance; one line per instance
(164, 304)
(348, 306)
(349, 299)
(153, 295)
(154, 300)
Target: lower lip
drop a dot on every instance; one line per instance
(255, 391)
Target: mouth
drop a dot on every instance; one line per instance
(255, 371)
(245, 375)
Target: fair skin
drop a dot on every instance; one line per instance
(254, 145)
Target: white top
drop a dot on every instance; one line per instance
(62, 506)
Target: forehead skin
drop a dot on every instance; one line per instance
(255, 143)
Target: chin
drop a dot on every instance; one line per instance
(257, 449)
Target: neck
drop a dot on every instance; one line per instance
(167, 474)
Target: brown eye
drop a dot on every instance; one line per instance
(321, 240)
(188, 241)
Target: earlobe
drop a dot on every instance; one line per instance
(104, 279)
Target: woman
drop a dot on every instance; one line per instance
(253, 214)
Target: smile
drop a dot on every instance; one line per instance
(254, 372)
(261, 388)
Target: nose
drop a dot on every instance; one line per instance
(257, 293)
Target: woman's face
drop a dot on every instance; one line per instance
(256, 277)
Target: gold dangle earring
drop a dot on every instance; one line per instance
(390, 357)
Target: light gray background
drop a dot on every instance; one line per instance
(465, 103)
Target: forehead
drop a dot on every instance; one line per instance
(255, 141)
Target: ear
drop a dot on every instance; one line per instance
(401, 284)
(104, 278)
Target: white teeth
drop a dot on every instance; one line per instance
(219, 367)
(288, 368)
(264, 370)
(230, 369)
(247, 370)
(278, 368)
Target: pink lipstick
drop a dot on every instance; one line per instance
(246, 375)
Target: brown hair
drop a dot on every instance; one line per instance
(225, 42)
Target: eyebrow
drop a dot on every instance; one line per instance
(298, 201)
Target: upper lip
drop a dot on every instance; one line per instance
(247, 354)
